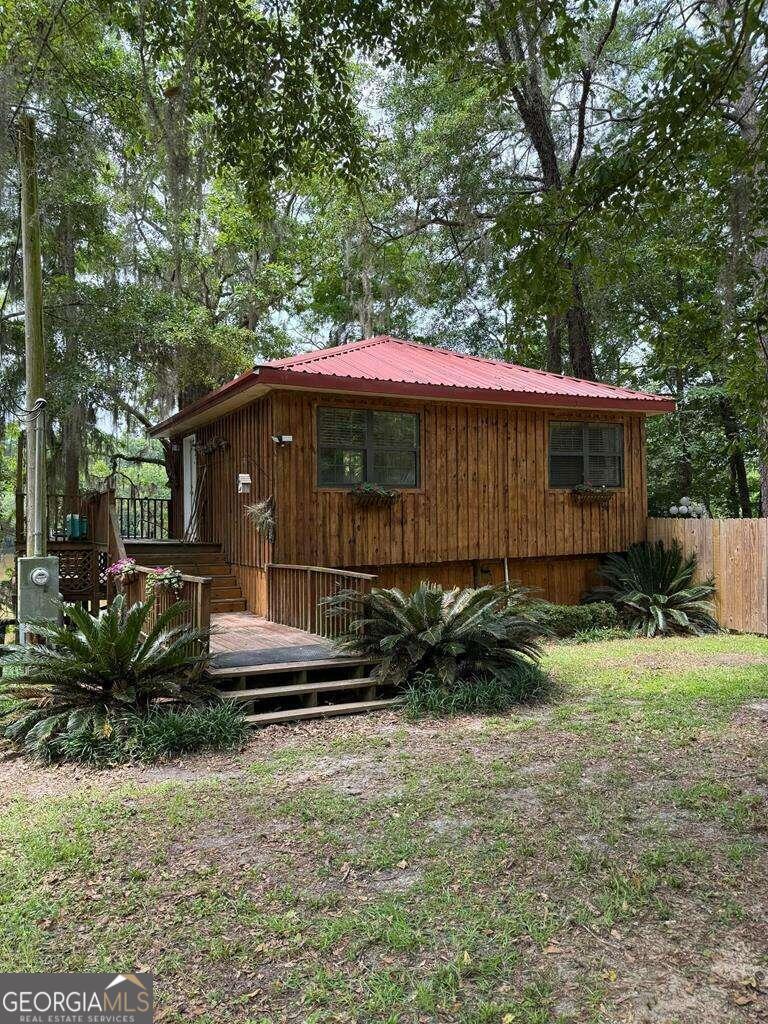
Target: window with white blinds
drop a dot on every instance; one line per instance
(356, 446)
(586, 453)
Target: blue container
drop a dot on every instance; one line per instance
(76, 527)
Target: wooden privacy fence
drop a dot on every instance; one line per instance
(195, 592)
(735, 553)
(294, 593)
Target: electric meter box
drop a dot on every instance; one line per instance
(38, 589)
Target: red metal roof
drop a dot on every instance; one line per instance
(391, 366)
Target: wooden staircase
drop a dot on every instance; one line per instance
(195, 560)
(273, 694)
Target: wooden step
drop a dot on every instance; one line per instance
(295, 689)
(172, 547)
(322, 711)
(180, 560)
(207, 569)
(225, 580)
(227, 604)
(238, 671)
(219, 593)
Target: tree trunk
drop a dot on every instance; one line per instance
(517, 51)
(554, 343)
(684, 464)
(74, 413)
(579, 343)
(736, 465)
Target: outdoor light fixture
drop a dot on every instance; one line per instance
(282, 439)
(243, 483)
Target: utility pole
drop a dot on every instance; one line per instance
(37, 527)
(37, 576)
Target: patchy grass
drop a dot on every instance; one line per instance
(602, 859)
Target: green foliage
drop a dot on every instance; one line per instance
(566, 620)
(263, 516)
(454, 635)
(162, 733)
(81, 677)
(426, 694)
(654, 591)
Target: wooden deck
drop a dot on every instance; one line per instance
(242, 638)
(280, 674)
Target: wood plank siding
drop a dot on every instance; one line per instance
(483, 496)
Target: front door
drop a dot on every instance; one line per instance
(190, 485)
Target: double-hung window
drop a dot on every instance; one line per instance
(586, 453)
(356, 446)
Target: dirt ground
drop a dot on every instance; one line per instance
(600, 858)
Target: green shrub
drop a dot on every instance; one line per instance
(591, 636)
(568, 620)
(87, 675)
(654, 591)
(456, 635)
(160, 734)
(427, 695)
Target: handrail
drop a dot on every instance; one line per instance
(297, 595)
(195, 591)
(323, 568)
(184, 576)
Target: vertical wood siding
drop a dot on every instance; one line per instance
(484, 495)
(563, 580)
(246, 448)
(484, 491)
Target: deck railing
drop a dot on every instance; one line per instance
(295, 593)
(139, 518)
(144, 518)
(65, 513)
(195, 592)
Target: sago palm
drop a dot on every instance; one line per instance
(81, 677)
(450, 634)
(654, 591)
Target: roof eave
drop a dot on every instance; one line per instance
(262, 379)
(277, 377)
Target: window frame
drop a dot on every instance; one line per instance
(369, 448)
(585, 425)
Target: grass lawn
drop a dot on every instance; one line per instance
(602, 858)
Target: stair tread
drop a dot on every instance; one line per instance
(222, 672)
(322, 711)
(291, 689)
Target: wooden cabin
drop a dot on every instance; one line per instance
(406, 462)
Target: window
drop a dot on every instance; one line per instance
(586, 453)
(356, 446)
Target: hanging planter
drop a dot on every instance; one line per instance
(587, 494)
(263, 517)
(164, 578)
(373, 494)
(122, 572)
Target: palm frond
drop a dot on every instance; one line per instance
(654, 590)
(450, 633)
(96, 667)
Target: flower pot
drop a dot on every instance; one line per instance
(592, 497)
(376, 498)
